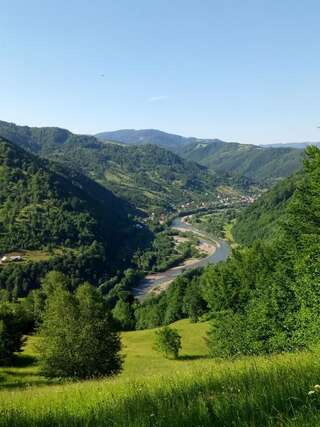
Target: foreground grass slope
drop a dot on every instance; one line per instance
(192, 391)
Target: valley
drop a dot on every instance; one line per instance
(159, 214)
(213, 252)
(133, 241)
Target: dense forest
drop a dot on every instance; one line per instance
(262, 164)
(265, 219)
(82, 226)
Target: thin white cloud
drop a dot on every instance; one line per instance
(158, 98)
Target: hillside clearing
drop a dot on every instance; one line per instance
(152, 391)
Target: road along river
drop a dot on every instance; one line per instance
(158, 282)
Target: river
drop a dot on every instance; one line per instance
(156, 281)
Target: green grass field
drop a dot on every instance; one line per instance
(140, 358)
(152, 391)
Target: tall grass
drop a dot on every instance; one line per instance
(260, 392)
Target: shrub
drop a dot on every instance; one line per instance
(168, 342)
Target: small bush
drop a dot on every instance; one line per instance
(168, 342)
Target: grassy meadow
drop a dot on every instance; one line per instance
(140, 358)
(152, 391)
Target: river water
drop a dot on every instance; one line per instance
(155, 280)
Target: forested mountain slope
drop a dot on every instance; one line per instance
(153, 177)
(265, 298)
(150, 177)
(263, 164)
(265, 218)
(144, 136)
(44, 204)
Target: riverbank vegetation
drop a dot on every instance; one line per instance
(213, 224)
(169, 249)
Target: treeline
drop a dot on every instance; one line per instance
(266, 298)
(183, 299)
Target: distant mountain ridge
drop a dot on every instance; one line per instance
(162, 179)
(298, 145)
(260, 163)
(144, 136)
(151, 136)
(148, 176)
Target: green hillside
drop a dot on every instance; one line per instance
(262, 164)
(48, 208)
(150, 177)
(265, 218)
(40, 206)
(263, 300)
(144, 136)
(153, 177)
(258, 163)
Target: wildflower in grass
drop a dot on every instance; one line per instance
(315, 390)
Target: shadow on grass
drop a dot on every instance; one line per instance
(22, 385)
(185, 357)
(21, 374)
(23, 361)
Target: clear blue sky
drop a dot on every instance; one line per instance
(242, 70)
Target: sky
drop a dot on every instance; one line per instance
(238, 70)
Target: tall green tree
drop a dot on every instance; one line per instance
(123, 314)
(265, 298)
(77, 337)
(12, 330)
(168, 342)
